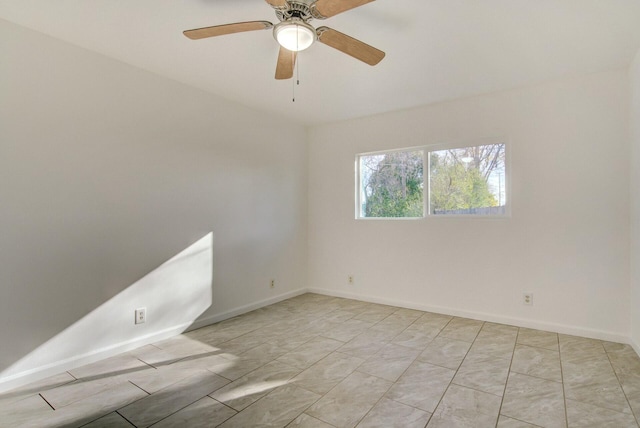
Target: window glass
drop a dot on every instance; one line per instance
(391, 184)
(469, 180)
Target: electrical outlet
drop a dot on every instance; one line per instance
(350, 279)
(141, 315)
(527, 299)
(273, 283)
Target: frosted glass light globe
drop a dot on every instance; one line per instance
(294, 36)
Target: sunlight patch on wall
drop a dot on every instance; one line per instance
(175, 294)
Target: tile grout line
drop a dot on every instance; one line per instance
(45, 400)
(504, 391)
(456, 373)
(620, 384)
(123, 417)
(393, 383)
(564, 394)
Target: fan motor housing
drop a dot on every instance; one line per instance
(302, 9)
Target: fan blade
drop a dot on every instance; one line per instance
(329, 8)
(350, 46)
(221, 30)
(277, 4)
(286, 62)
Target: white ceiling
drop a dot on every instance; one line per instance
(436, 49)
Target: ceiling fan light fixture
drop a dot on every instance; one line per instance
(294, 35)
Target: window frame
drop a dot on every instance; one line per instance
(426, 188)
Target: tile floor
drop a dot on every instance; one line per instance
(318, 361)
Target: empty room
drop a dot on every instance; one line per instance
(320, 213)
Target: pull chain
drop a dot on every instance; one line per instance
(293, 85)
(295, 62)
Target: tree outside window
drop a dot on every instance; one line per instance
(462, 181)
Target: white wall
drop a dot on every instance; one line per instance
(635, 201)
(567, 240)
(107, 172)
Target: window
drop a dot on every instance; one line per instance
(461, 181)
(469, 180)
(392, 184)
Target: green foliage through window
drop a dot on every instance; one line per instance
(464, 181)
(392, 184)
(469, 180)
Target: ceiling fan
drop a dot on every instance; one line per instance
(294, 33)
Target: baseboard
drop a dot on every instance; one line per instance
(635, 346)
(203, 322)
(38, 373)
(518, 322)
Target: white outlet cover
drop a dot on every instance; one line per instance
(141, 315)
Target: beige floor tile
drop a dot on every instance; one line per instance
(154, 356)
(79, 390)
(350, 400)
(237, 366)
(414, 339)
(409, 314)
(537, 362)
(535, 401)
(306, 421)
(483, 372)
(112, 420)
(185, 345)
(391, 414)
(587, 369)
(606, 394)
(310, 353)
(505, 422)
(375, 314)
(390, 362)
(631, 386)
(348, 363)
(587, 415)
(241, 344)
(267, 352)
(494, 344)
(204, 413)
(154, 380)
(576, 349)
(445, 352)
(364, 345)
(293, 339)
(119, 366)
(390, 327)
(538, 339)
(346, 330)
(163, 403)
(18, 413)
(34, 388)
(276, 409)
(327, 373)
(431, 320)
(462, 329)
(466, 408)
(91, 408)
(421, 386)
(623, 358)
(490, 328)
(428, 330)
(251, 387)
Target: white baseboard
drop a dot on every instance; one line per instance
(199, 323)
(38, 373)
(518, 322)
(635, 346)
